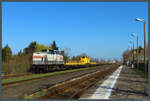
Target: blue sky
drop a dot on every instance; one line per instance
(100, 29)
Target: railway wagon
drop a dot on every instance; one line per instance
(84, 62)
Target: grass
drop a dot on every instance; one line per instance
(36, 76)
(35, 95)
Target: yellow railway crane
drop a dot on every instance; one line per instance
(83, 60)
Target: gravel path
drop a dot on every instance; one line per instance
(19, 90)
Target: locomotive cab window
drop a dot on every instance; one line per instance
(57, 52)
(51, 52)
(44, 50)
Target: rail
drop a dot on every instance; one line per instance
(75, 88)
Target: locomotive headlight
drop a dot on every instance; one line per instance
(61, 57)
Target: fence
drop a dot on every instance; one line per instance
(141, 66)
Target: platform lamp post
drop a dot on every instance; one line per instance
(132, 50)
(142, 20)
(137, 63)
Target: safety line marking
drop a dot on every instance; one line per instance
(105, 89)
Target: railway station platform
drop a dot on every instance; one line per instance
(124, 83)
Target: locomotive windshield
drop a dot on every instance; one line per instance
(57, 52)
(50, 51)
(44, 50)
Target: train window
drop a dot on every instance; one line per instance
(57, 52)
(51, 51)
(54, 52)
(44, 50)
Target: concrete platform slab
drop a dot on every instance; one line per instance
(129, 85)
(104, 90)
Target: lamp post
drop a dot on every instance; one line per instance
(134, 35)
(142, 20)
(132, 52)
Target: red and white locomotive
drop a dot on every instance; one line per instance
(46, 59)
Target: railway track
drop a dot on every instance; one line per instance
(30, 74)
(67, 67)
(32, 86)
(73, 89)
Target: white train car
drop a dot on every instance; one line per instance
(46, 59)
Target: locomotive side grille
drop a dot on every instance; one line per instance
(48, 62)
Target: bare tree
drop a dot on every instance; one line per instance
(65, 53)
(126, 55)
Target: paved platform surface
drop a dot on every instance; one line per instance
(128, 85)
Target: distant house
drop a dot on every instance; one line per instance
(141, 50)
(113, 61)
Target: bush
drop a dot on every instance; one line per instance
(17, 65)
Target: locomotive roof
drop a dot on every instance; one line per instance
(48, 50)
